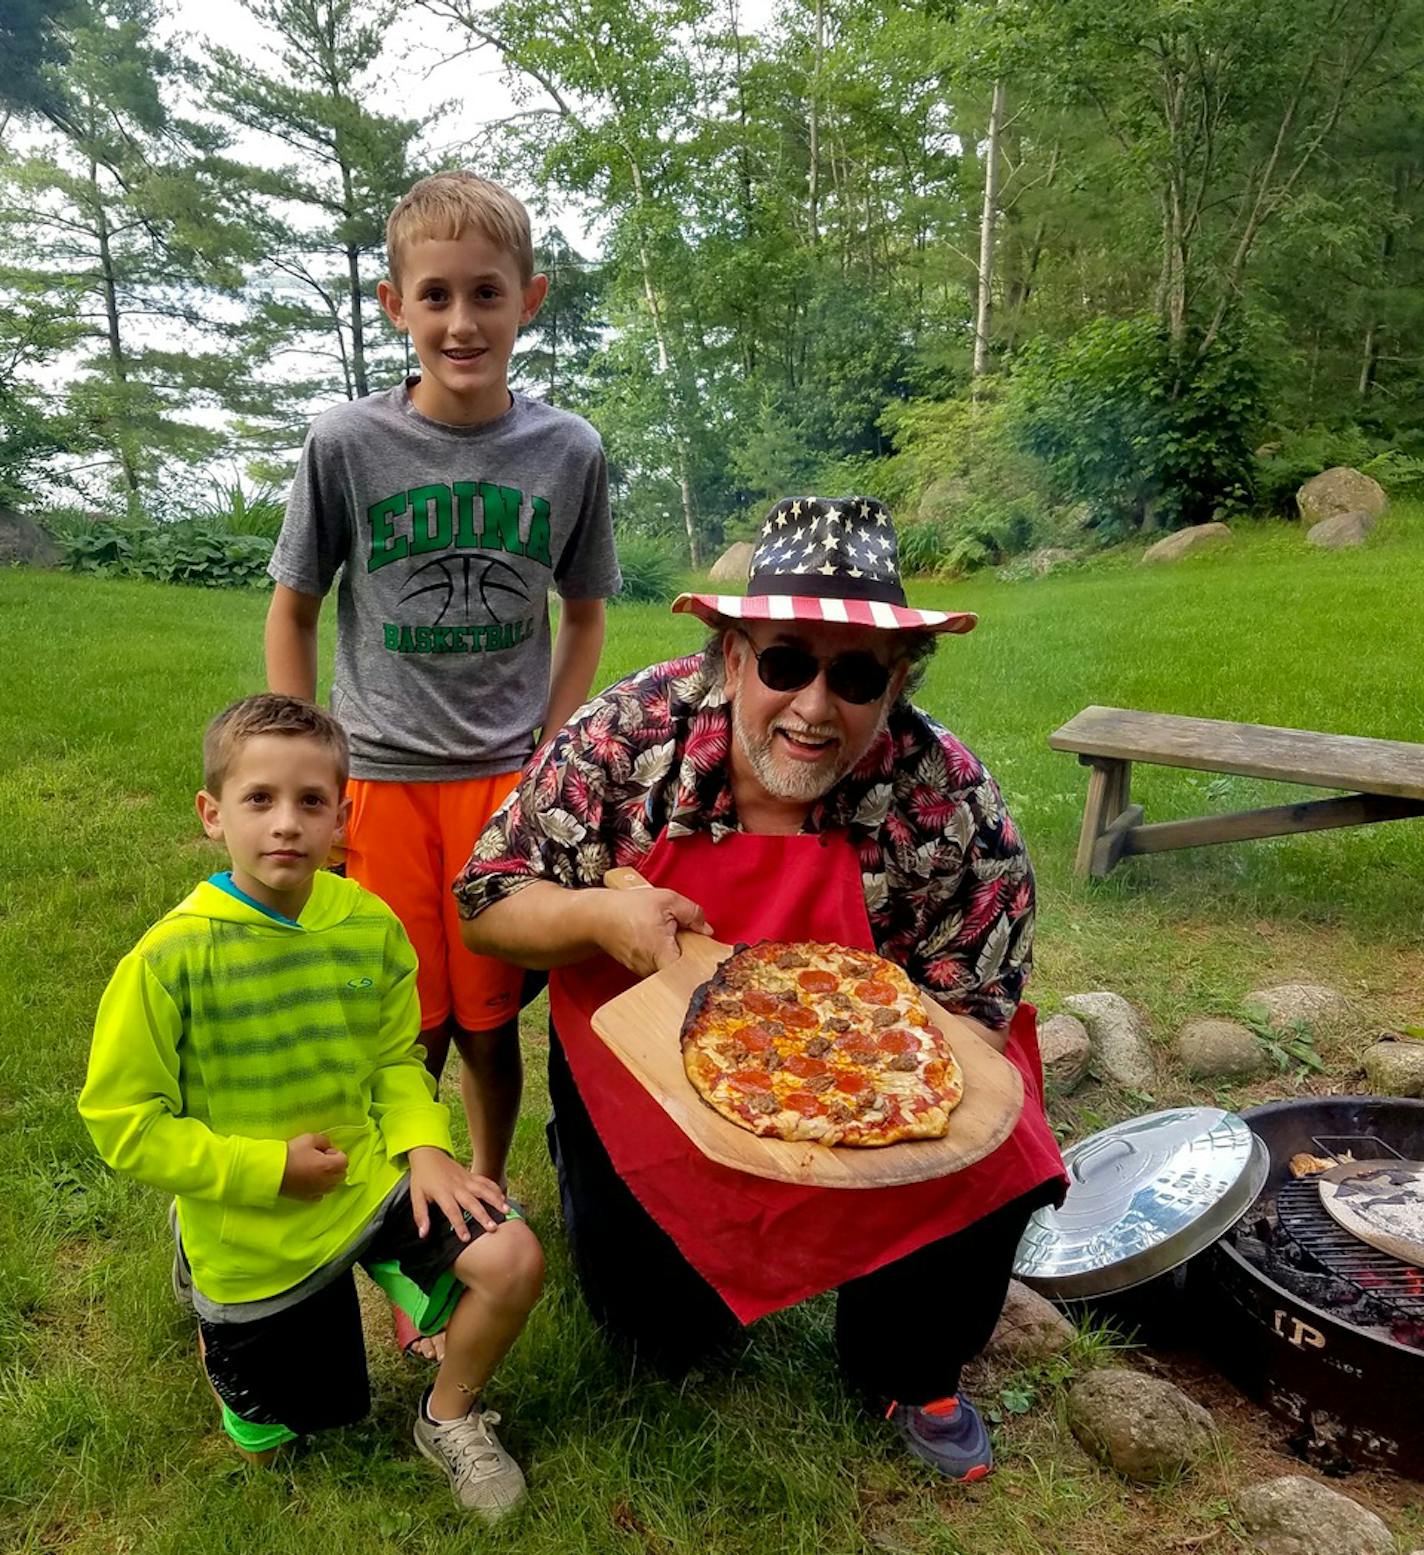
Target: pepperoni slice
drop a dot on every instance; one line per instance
(803, 1067)
(816, 981)
(757, 1039)
(851, 1081)
(897, 1040)
(760, 1003)
(799, 1015)
(750, 1080)
(805, 1103)
(858, 1044)
(875, 993)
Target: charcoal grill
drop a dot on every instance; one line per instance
(1327, 1331)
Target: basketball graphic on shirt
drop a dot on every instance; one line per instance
(463, 583)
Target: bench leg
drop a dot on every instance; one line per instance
(1108, 782)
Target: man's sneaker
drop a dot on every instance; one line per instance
(948, 1435)
(483, 1476)
(182, 1274)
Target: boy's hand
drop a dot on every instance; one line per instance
(440, 1179)
(314, 1167)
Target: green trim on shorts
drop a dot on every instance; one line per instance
(429, 1310)
(252, 1437)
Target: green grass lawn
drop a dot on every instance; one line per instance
(108, 1438)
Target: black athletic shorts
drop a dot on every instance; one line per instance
(297, 1363)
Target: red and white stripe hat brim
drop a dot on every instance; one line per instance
(717, 608)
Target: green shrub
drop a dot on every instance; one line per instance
(233, 509)
(189, 551)
(1288, 462)
(650, 570)
(1145, 433)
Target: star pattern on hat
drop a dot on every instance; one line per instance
(851, 538)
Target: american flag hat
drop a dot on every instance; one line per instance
(826, 559)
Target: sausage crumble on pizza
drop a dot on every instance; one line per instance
(803, 1041)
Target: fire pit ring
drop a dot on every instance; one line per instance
(1313, 1339)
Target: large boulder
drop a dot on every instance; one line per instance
(1142, 1426)
(733, 564)
(24, 544)
(1340, 532)
(1065, 1050)
(1030, 1328)
(1200, 537)
(1211, 1049)
(1395, 1067)
(1316, 1006)
(1121, 1051)
(1294, 1515)
(1340, 490)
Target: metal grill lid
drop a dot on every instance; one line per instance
(1143, 1197)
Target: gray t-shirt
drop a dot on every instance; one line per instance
(450, 538)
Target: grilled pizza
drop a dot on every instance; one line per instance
(803, 1041)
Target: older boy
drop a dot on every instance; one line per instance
(454, 506)
(256, 1055)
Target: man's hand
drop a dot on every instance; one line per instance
(640, 927)
(437, 1178)
(314, 1167)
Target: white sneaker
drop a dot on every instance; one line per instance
(484, 1478)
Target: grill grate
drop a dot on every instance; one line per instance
(1387, 1279)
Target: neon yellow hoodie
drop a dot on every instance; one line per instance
(226, 1032)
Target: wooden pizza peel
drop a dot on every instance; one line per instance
(643, 1027)
(1380, 1202)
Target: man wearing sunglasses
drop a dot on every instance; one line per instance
(778, 785)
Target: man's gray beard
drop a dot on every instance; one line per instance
(797, 782)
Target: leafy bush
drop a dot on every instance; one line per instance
(233, 509)
(650, 570)
(966, 495)
(188, 551)
(1145, 435)
(1401, 475)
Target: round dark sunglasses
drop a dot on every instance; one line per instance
(857, 677)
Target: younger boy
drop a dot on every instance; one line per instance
(255, 1054)
(454, 506)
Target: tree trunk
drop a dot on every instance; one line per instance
(984, 312)
(117, 362)
(813, 177)
(358, 332)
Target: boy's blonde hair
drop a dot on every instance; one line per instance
(445, 206)
(269, 713)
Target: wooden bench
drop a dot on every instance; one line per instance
(1385, 779)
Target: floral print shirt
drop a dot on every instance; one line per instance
(948, 886)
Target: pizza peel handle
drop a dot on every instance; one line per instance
(703, 952)
(643, 1027)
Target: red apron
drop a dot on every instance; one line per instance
(762, 1244)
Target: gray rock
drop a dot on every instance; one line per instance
(1395, 1068)
(1200, 537)
(1210, 1048)
(1030, 1328)
(1064, 1046)
(1042, 562)
(1121, 1052)
(1317, 1005)
(943, 498)
(1294, 1515)
(1339, 490)
(733, 564)
(24, 543)
(1141, 1426)
(1341, 531)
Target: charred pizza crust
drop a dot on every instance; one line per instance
(804, 1041)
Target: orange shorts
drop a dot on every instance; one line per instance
(407, 842)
